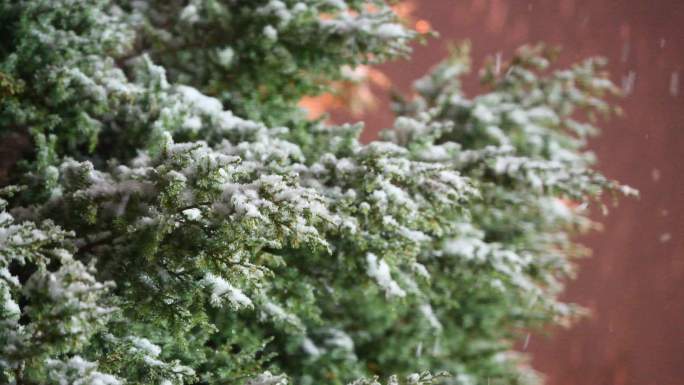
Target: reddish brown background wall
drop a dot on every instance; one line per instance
(634, 284)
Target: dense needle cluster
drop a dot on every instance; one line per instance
(179, 220)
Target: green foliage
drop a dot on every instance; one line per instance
(181, 222)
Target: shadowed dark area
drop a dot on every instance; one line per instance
(634, 284)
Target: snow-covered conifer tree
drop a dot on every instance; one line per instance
(177, 219)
